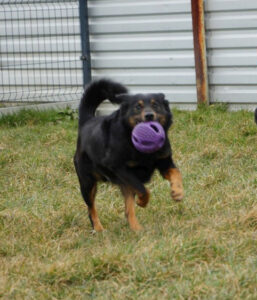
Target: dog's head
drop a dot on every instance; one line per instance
(145, 107)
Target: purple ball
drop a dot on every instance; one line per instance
(148, 137)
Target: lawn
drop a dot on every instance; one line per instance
(202, 248)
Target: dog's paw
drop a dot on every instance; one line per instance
(177, 192)
(98, 228)
(143, 199)
(136, 227)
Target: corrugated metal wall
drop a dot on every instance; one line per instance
(146, 44)
(232, 50)
(40, 51)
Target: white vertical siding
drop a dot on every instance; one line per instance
(146, 44)
(232, 50)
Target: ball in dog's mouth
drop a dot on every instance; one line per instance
(148, 137)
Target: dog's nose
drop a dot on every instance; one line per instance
(149, 116)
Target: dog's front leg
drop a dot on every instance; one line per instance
(173, 175)
(129, 197)
(135, 185)
(127, 178)
(170, 172)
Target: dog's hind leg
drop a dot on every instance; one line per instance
(129, 196)
(88, 191)
(88, 194)
(143, 199)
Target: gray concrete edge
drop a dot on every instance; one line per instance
(42, 106)
(106, 107)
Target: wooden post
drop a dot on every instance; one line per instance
(200, 52)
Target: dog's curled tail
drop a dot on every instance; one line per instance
(95, 93)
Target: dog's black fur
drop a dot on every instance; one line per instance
(104, 147)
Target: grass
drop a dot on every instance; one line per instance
(203, 248)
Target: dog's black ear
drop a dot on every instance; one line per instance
(124, 107)
(124, 100)
(161, 96)
(120, 98)
(167, 105)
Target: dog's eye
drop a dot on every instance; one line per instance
(138, 107)
(154, 105)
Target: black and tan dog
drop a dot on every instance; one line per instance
(105, 151)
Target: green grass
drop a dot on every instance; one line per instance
(203, 248)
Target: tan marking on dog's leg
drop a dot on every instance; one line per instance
(143, 199)
(93, 213)
(173, 175)
(130, 208)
